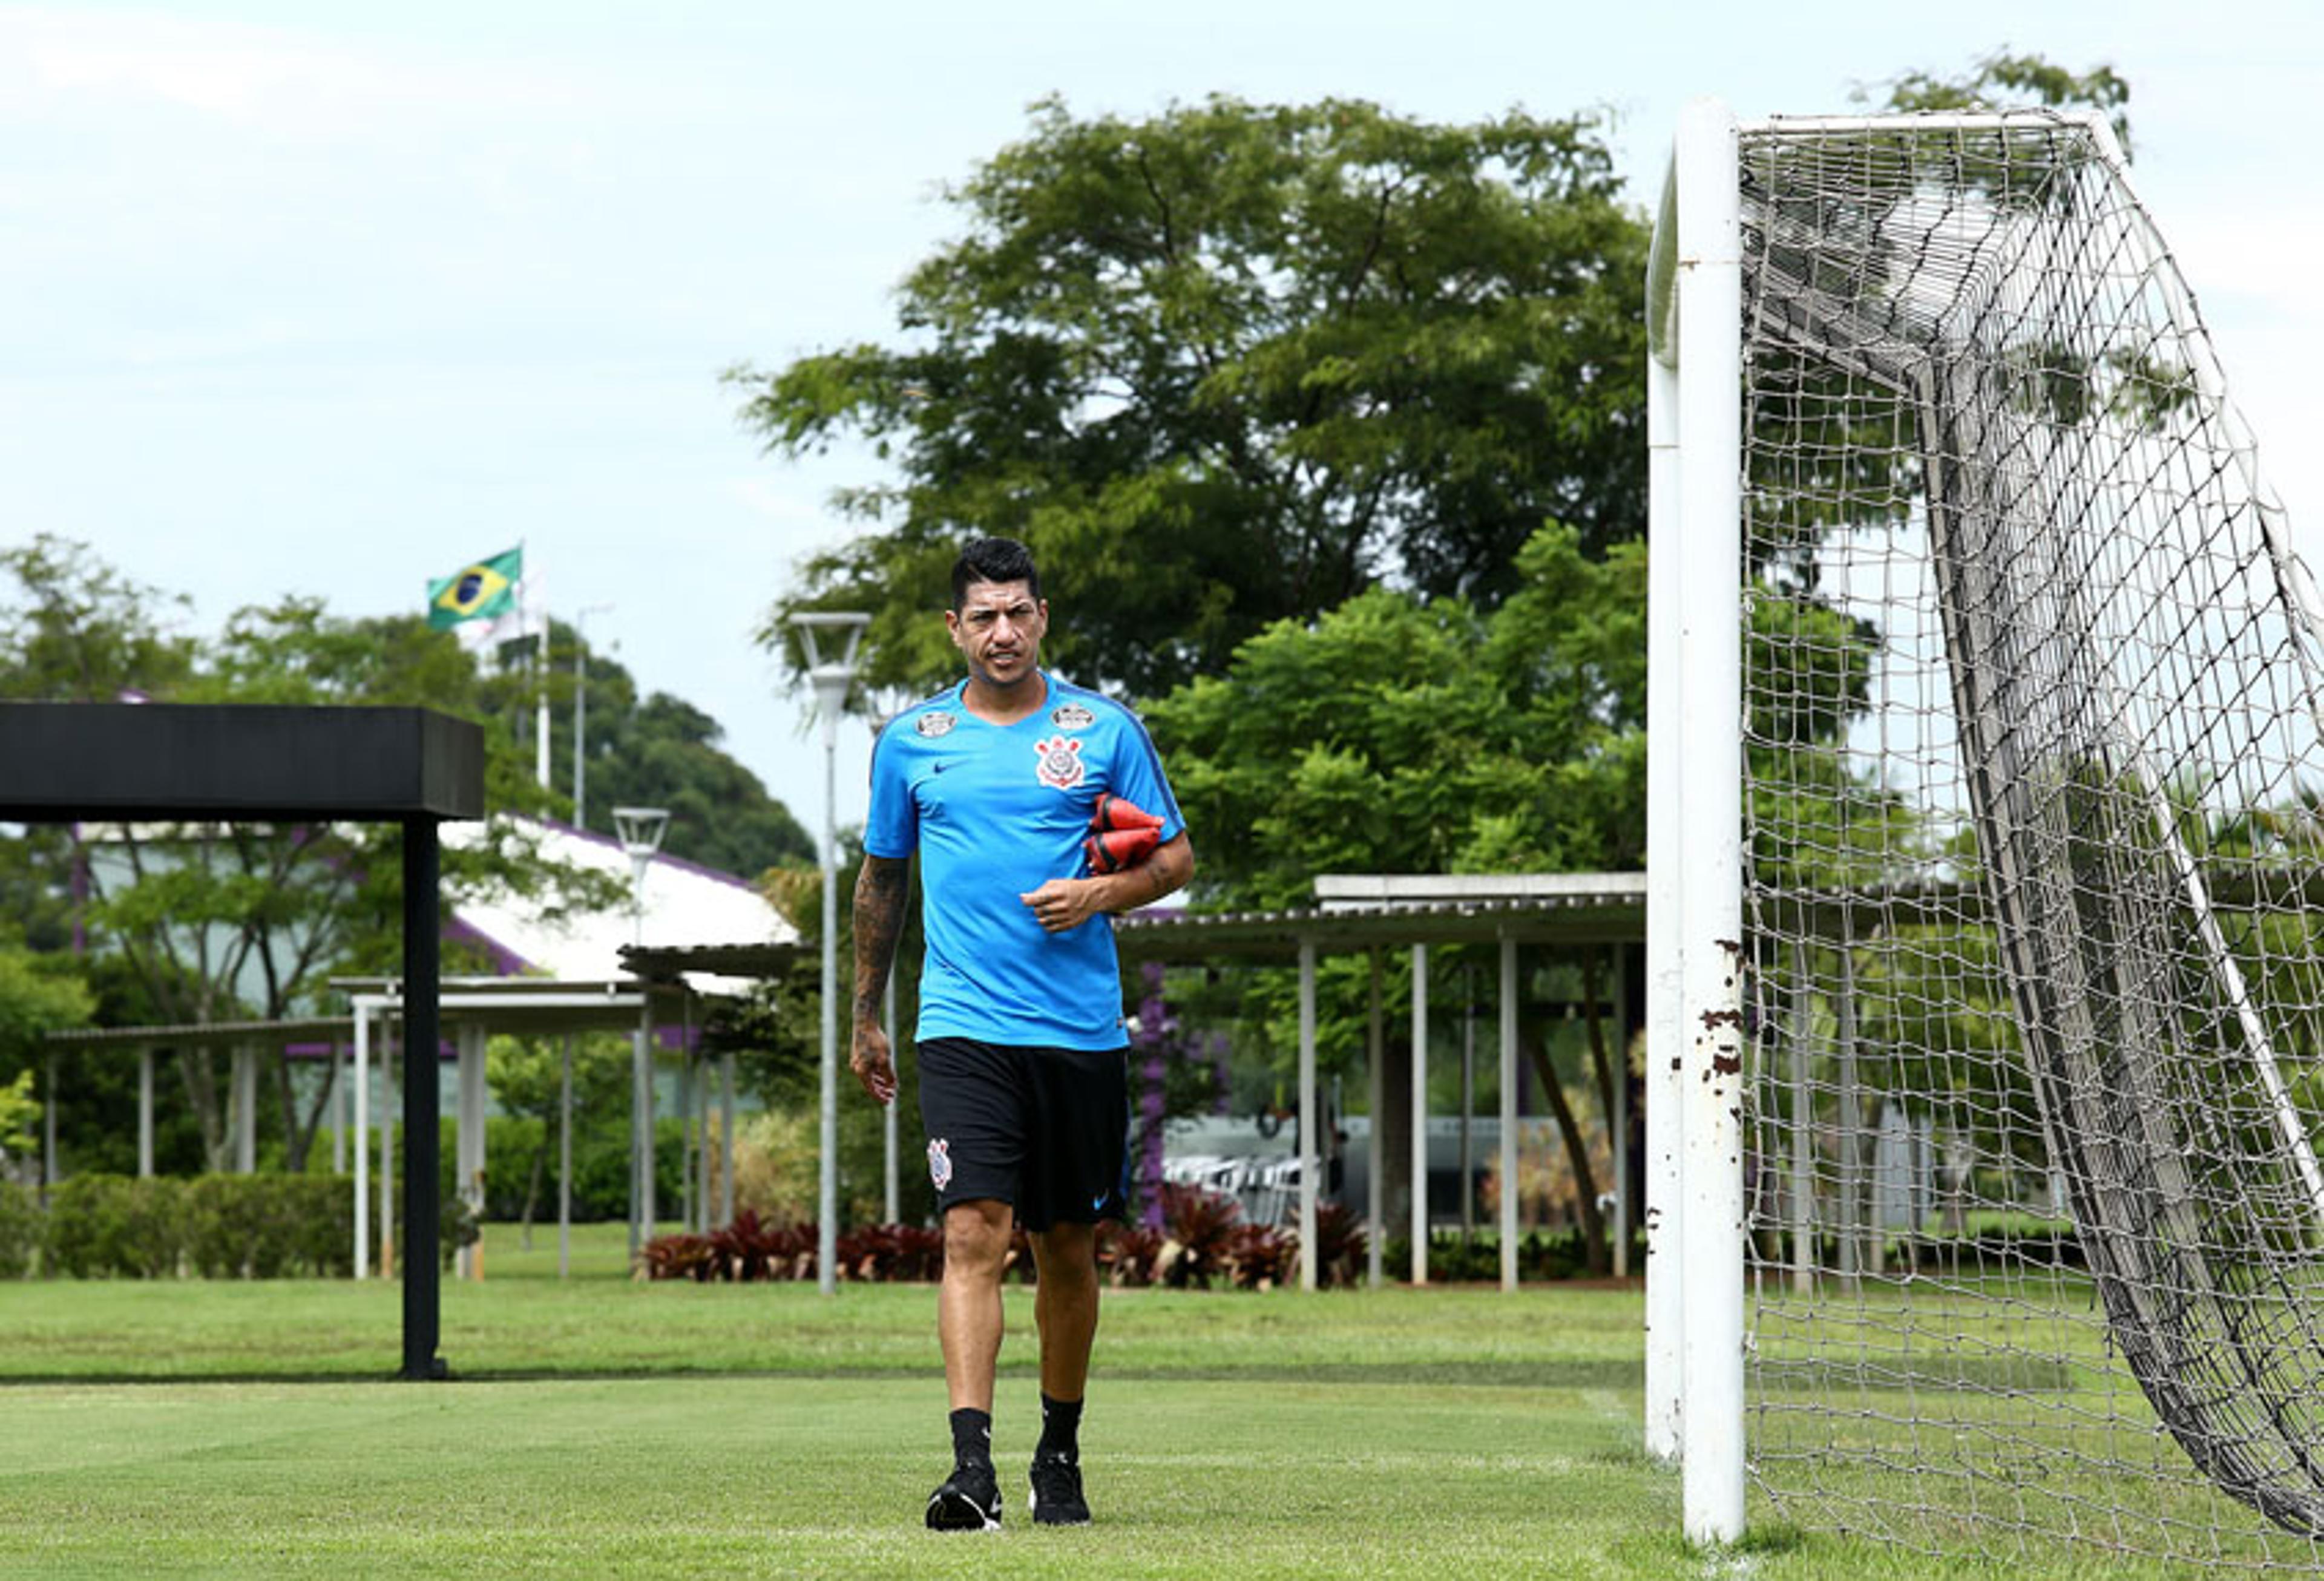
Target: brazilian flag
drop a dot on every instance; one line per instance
(485, 591)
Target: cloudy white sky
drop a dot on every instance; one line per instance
(330, 297)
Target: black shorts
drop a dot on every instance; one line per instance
(1046, 1130)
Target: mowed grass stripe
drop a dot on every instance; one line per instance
(602, 1427)
(805, 1477)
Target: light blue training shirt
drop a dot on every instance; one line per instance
(995, 812)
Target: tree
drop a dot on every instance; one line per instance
(527, 1076)
(2002, 80)
(1235, 364)
(1401, 734)
(244, 920)
(665, 752)
(81, 631)
(38, 996)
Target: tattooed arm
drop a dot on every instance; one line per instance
(880, 898)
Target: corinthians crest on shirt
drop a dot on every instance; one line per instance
(1060, 762)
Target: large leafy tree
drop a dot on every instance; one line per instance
(1402, 734)
(196, 925)
(2002, 81)
(662, 751)
(253, 919)
(1396, 733)
(1232, 364)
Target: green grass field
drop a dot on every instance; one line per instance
(602, 1427)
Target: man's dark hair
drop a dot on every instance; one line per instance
(993, 560)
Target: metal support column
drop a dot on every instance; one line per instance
(391, 1116)
(144, 1114)
(1420, 1114)
(1511, 1074)
(421, 1210)
(1309, 1162)
(362, 1138)
(564, 1156)
(726, 1139)
(468, 1152)
(243, 1100)
(1621, 1115)
(1376, 1152)
(687, 1195)
(642, 1214)
(705, 1159)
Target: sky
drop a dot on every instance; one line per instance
(333, 297)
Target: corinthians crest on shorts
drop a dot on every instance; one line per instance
(940, 1163)
(1060, 762)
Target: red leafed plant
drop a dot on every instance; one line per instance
(679, 1256)
(749, 1251)
(1340, 1243)
(1198, 1225)
(891, 1252)
(1259, 1257)
(1127, 1253)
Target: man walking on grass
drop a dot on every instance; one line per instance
(1023, 1072)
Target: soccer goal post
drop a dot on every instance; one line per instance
(1987, 805)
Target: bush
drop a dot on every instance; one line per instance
(323, 1209)
(232, 1231)
(881, 1253)
(20, 1229)
(1259, 1257)
(87, 1227)
(1339, 1245)
(1126, 1254)
(1198, 1227)
(747, 1251)
(102, 1225)
(775, 1175)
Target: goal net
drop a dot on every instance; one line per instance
(2033, 982)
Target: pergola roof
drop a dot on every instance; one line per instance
(1378, 911)
(215, 1034)
(662, 962)
(532, 1006)
(63, 762)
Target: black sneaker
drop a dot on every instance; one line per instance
(1057, 1496)
(969, 1501)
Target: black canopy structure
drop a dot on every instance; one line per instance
(132, 762)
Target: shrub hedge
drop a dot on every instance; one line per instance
(220, 1227)
(20, 1229)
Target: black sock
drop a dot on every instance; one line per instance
(972, 1437)
(1061, 1426)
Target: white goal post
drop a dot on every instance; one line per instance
(1986, 836)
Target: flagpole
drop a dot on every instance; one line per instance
(540, 676)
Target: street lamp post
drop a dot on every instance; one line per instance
(827, 642)
(641, 830)
(886, 704)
